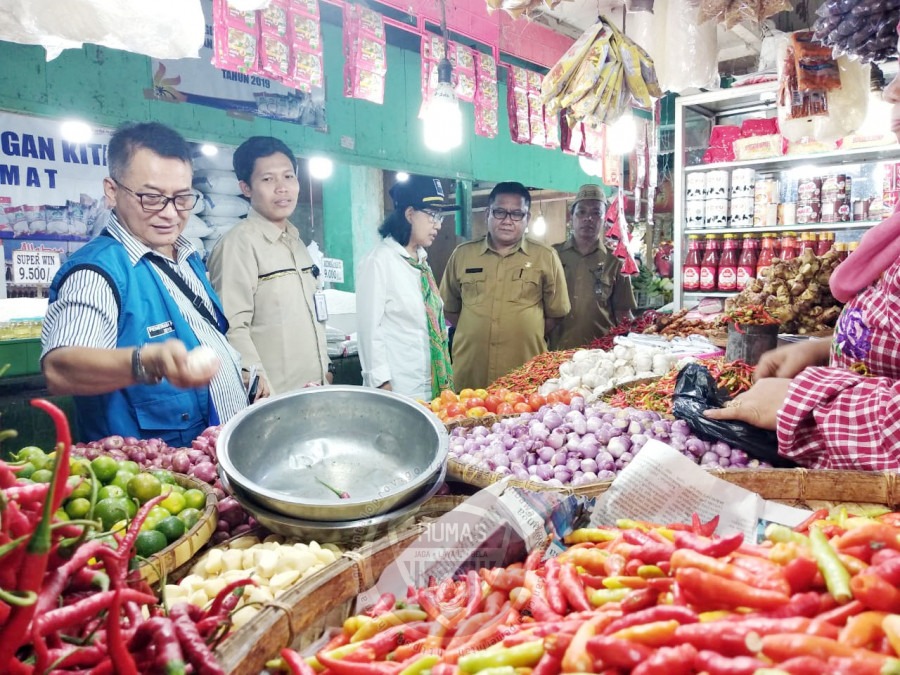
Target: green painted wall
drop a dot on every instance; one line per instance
(106, 86)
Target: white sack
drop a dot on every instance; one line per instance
(220, 182)
(689, 59)
(225, 206)
(163, 29)
(220, 222)
(196, 228)
(221, 161)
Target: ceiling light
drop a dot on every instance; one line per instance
(209, 150)
(592, 167)
(621, 135)
(76, 131)
(442, 125)
(402, 176)
(539, 226)
(320, 168)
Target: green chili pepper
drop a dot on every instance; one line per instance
(526, 654)
(420, 665)
(780, 534)
(836, 576)
(600, 596)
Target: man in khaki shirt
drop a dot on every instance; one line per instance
(599, 294)
(504, 293)
(265, 276)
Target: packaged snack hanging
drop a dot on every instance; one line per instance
(727, 274)
(710, 266)
(691, 269)
(746, 269)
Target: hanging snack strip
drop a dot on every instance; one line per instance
(307, 69)
(572, 132)
(486, 96)
(275, 42)
(365, 56)
(808, 74)
(600, 76)
(463, 72)
(652, 166)
(536, 110)
(517, 105)
(235, 36)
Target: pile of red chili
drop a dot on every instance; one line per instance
(68, 603)
(532, 374)
(646, 599)
(734, 376)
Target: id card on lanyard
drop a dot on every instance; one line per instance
(321, 305)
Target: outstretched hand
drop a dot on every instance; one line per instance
(758, 406)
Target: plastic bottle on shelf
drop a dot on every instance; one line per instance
(709, 267)
(766, 253)
(746, 269)
(808, 241)
(789, 248)
(690, 273)
(728, 263)
(825, 243)
(841, 250)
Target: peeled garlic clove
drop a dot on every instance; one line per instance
(202, 361)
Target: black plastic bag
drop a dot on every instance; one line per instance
(695, 392)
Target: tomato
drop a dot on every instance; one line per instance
(522, 408)
(477, 411)
(447, 396)
(553, 397)
(437, 404)
(467, 393)
(505, 409)
(492, 402)
(474, 402)
(481, 393)
(536, 401)
(500, 393)
(515, 397)
(454, 410)
(565, 396)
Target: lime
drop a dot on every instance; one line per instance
(150, 523)
(78, 507)
(164, 475)
(26, 470)
(149, 542)
(144, 487)
(131, 507)
(33, 454)
(172, 527)
(129, 466)
(61, 515)
(121, 479)
(189, 517)
(110, 511)
(81, 487)
(105, 468)
(194, 499)
(174, 503)
(159, 513)
(108, 491)
(78, 466)
(42, 476)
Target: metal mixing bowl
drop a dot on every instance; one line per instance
(378, 446)
(351, 533)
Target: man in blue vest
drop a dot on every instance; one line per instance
(127, 309)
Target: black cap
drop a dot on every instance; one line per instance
(421, 192)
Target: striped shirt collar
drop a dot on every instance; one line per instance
(137, 250)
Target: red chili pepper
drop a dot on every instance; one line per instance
(385, 603)
(296, 663)
(800, 573)
(803, 665)
(840, 614)
(344, 667)
(226, 599)
(118, 650)
(533, 561)
(549, 664)
(668, 661)
(785, 646)
(70, 615)
(576, 658)
(75, 656)
(198, 653)
(716, 591)
(503, 579)
(701, 528)
(27, 492)
(876, 535)
(639, 599)
(651, 550)
(889, 570)
(616, 653)
(683, 615)
(720, 637)
(853, 666)
(474, 595)
(716, 664)
(820, 514)
(161, 632)
(573, 588)
(801, 604)
(554, 593)
(716, 548)
(538, 605)
(875, 593)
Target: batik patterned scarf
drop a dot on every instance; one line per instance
(441, 370)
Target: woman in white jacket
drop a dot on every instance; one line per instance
(401, 329)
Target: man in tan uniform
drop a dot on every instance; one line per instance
(266, 277)
(504, 293)
(599, 294)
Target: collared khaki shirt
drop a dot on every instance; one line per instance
(502, 302)
(263, 277)
(597, 291)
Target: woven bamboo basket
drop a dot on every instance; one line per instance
(303, 613)
(178, 553)
(326, 600)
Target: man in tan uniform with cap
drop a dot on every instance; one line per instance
(599, 294)
(504, 293)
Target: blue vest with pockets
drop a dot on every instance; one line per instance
(147, 313)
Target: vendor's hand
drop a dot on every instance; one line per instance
(329, 377)
(789, 361)
(758, 406)
(262, 389)
(169, 359)
(386, 386)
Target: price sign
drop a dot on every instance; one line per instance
(334, 270)
(34, 267)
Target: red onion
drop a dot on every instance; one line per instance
(113, 442)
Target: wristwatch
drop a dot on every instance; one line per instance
(331, 368)
(140, 374)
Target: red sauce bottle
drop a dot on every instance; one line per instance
(826, 241)
(766, 253)
(690, 273)
(789, 248)
(746, 269)
(728, 264)
(710, 266)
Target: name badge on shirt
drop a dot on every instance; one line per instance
(160, 329)
(321, 305)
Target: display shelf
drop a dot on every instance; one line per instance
(709, 294)
(811, 227)
(836, 158)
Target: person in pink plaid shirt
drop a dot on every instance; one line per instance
(836, 404)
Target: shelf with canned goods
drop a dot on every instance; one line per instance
(709, 294)
(809, 227)
(821, 159)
